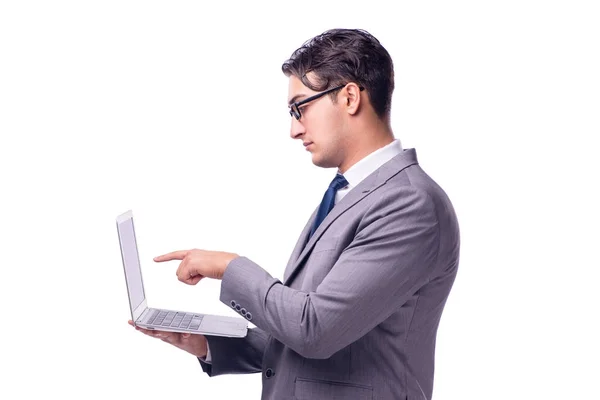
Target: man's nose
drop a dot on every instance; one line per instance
(296, 129)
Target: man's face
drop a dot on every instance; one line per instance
(321, 124)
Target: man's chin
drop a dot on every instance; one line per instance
(321, 163)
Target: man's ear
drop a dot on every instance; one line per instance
(352, 98)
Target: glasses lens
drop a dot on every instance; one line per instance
(294, 111)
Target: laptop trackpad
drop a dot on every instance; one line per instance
(222, 324)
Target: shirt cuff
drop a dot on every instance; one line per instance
(207, 359)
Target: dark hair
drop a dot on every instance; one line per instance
(340, 56)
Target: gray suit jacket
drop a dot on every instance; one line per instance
(357, 314)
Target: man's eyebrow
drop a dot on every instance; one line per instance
(295, 98)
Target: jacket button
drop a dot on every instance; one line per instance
(269, 373)
(233, 303)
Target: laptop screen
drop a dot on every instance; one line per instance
(131, 262)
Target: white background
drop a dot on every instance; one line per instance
(177, 110)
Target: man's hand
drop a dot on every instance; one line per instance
(193, 344)
(197, 264)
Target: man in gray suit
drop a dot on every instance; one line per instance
(357, 313)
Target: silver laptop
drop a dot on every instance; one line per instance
(159, 319)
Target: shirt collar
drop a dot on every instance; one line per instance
(372, 162)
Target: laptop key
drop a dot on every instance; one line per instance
(169, 319)
(195, 324)
(176, 322)
(186, 320)
(153, 315)
(185, 324)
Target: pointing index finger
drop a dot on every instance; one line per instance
(174, 255)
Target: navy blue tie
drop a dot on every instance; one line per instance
(328, 200)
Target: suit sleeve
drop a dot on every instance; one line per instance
(235, 355)
(392, 255)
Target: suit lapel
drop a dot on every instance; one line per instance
(378, 178)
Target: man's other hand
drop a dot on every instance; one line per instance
(197, 264)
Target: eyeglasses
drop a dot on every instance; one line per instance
(294, 107)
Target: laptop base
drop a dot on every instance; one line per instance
(195, 323)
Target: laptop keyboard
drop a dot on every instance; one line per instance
(175, 319)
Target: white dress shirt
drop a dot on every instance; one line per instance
(369, 164)
(356, 174)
